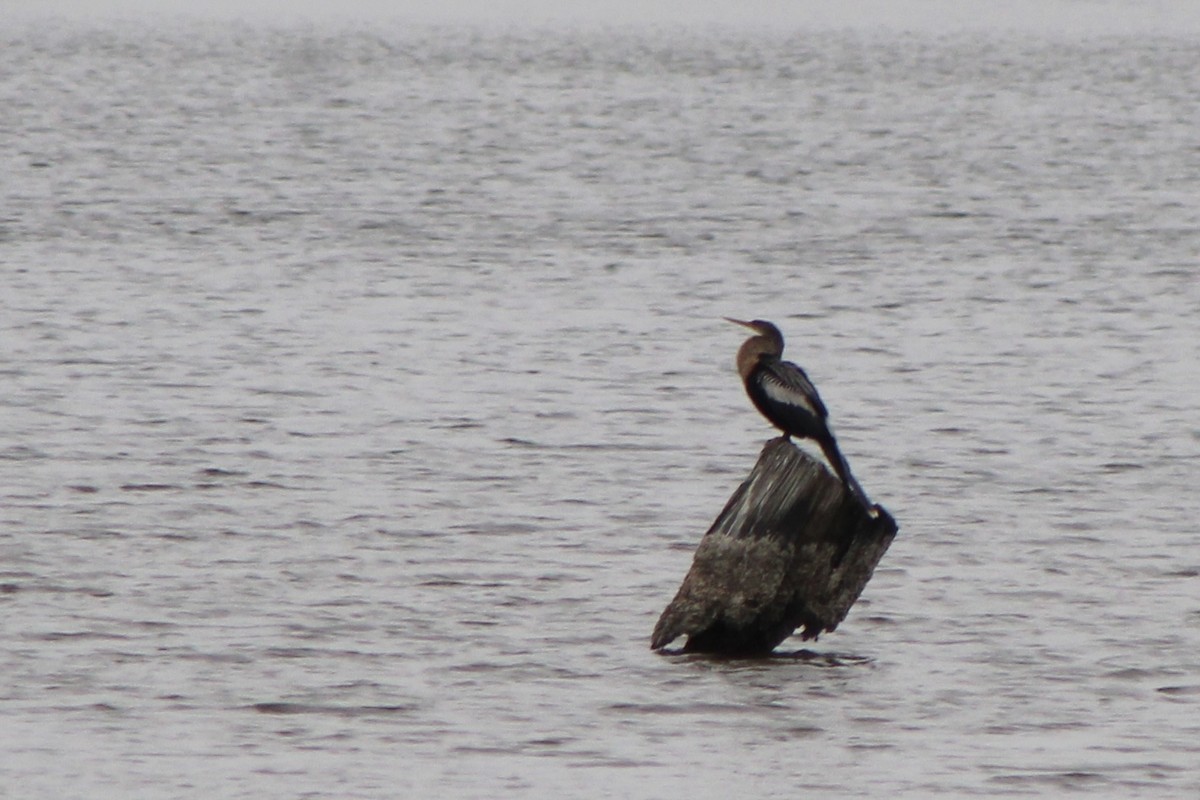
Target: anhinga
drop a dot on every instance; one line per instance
(785, 396)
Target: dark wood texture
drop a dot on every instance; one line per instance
(792, 549)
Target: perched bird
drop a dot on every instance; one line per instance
(785, 396)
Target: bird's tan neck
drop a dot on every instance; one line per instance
(751, 353)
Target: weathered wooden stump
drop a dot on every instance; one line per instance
(791, 549)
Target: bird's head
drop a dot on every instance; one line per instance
(769, 340)
(768, 343)
(761, 327)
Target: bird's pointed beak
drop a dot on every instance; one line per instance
(743, 323)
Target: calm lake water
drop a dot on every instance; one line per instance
(366, 394)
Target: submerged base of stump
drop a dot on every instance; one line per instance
(792, 549)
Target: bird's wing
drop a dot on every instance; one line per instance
(785, 382)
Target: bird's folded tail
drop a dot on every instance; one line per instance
(842, 468)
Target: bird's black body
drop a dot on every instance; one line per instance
(783, 393)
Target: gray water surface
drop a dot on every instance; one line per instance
(366, 393)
